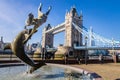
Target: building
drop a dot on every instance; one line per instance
(1, 43)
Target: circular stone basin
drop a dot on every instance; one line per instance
(48, 72)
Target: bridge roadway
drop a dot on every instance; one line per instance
(88, 48)
(95, 48)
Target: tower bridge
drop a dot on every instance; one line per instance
(72, 35)
(78, 39)
(76, 35)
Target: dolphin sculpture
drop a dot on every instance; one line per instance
(17, 45)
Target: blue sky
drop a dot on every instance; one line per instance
(102, 15)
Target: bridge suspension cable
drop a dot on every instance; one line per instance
(96, 37)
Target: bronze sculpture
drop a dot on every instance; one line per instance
(42, 17)
(17, 46)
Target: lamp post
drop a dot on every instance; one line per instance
(113, 46)
(43, 53)
(114, 55)
(86, 50)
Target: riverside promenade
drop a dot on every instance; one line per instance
(108, 70)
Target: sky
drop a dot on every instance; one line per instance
(102, 15)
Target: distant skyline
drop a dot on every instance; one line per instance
(102, 15)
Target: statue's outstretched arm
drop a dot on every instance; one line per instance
(40, 7)
(49, 9)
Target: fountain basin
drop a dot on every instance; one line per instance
(48, 72)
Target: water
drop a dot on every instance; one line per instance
(44, 73)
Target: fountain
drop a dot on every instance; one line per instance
(46, 72)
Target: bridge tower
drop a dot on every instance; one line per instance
(47, 38)
(91, 41)
(72, 36)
